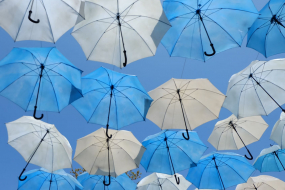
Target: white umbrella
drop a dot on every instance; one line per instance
(257, 90)
(39, 20)
(233, 133)
(99, 155)
(159, 181)
(185, 103)
(39, 143)
(121, 31)
(278, 131)
(262, 182)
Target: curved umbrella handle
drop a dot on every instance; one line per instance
(126, 60)
(20, 177)
(107, 184)
(38, 118)
(34, 21)
(177, 179)
(107, 135)
(249, 158)
(188, 137)
(214, 51)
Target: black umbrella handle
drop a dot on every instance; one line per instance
(35, 111)
(33, 21)
(126, 60)
(249, 158)
(214, 51)
(107, 184)
(177, 179)
(20, 177)
(188, 137)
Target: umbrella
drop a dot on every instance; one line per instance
(43, 179)
(95, 182)
(185, 103)
(39, 143)
(277, 133)
(168, 152)
(268, 30)
(257, 90)
(271, 159)
(39, 78)
(262, 182)
(121, 32)
(202, 28)
(51, 19)
(112, 99)
(233, 133)
(220, 171)
(99, 155)
(158, 181)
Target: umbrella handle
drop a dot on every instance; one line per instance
(126, 60)
(20, 177)
(249, 158)
(107, 184)
(214, 51)
(107, 135)
(38, 118)
(188, 137)
(34, 21)
(177, 179)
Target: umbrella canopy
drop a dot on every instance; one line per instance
(268, 30)
(202, 28)
(43, 179)
(158, 181)
(99, 155)
(39, 78)
(112, 99)
(257, 90)
(185, 103)
(233, 133)
(39, 20)
(271, 159)
(121, 32)
(278, 131)
(168, 152)
(39, 143)
(220, 171)
(95, 182)
(262, 182)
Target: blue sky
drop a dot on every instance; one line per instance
(151, 72)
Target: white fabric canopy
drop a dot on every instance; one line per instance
(262, 182)
(278, 131)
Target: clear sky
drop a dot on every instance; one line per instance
(151, 72)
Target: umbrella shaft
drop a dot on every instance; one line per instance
(180, 100)
(167, 147)
(219, 174)
(42, 68)
(205, 27)
(279, 160)
(238, 135)
(111, 95)
(50, 182)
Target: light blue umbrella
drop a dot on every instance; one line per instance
(112, 99)
(41, 179)
(266, 35)
(220, 171)
(202, 28)
(168, 152)
(39, 78)
(95, 182)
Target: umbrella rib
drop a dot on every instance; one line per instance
(133, 88)
(116, 106)
(166, 112)
(78, 13)
(108, 76)
(153, 153)
(48, 21)
(271, 83)
(265, 41)
(255, 87)
(127, 154)
(139, 16)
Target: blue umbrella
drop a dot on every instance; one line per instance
(112, 99)
(201, 26)
(266, 35)
(44, 180)
(95, 182)
(220, 171)
(168, 152)
(39, 78)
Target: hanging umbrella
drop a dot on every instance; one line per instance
(185, 103)
(201, 29)
(233, 133)
(220, 171)
(95, 182)
(39, 143)
(39, 78)
(168, 152)
(271, 159)
(39, 20)
(43, 179)
(121, 32)
(158, 181)
(99, 155)
(262, 182)
(266, 35)
(257, 90)
(278, 130)
(112, 99)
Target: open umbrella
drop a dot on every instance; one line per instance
(257, 90)
(39, 143)
(185, 103)
(278, 131)
(121, 32)
(168, 152)
(262, 182)
(39, 78)
(99, 155)
(233, 133)
(112, 99)
(202, 28)
(43, 179)
(220, 171)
